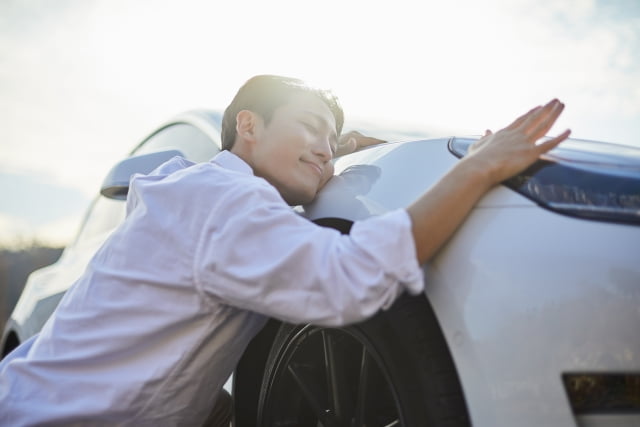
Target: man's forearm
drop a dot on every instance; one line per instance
(439, 212)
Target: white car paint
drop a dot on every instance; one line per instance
(522, 294)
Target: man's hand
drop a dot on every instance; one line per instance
(514, 148)
(354, 141)
(495, 157)
(347, 143)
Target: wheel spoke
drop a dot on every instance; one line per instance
(333, 380)
(305, 386)
(363, 385)
(338, 388)
(332, 376)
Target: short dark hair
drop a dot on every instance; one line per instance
(263, 94)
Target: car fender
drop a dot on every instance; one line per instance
(496, 288)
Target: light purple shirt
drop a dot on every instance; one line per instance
(155, 326)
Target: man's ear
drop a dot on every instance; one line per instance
(246, 125)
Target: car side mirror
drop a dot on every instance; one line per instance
(116, 183)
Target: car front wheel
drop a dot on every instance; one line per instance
(392, 370)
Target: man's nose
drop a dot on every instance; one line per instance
(322, 148)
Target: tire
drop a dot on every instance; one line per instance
(395, 369)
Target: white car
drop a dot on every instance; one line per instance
(531, 315)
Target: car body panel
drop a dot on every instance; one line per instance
(391, 176)
(515, 326)
(45, 287)
(523, 295)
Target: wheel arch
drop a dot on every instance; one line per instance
(250, 370)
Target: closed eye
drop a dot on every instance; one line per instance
(311, 128)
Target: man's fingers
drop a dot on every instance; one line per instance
(531, 118)
(346, 147)
(365, 141)
(353, 141)
(517, 122)
(539, 118)
(362, 140)
(546, 121)
(553, 142)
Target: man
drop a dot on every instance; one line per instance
(150, 332)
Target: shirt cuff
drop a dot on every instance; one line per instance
(388, 238)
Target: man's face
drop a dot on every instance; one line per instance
(293, 152)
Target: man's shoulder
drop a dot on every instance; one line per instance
(211, 179)
(224, 178)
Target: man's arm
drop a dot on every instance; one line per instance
(494, 158)
(348, 143)
(354, 141)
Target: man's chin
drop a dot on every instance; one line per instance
(299, 199)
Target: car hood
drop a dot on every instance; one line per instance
(391, 176)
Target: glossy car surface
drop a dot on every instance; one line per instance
(536, 296)
(526, 297)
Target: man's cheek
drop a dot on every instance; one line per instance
(326, 175)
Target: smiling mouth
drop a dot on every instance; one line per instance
(315, 167)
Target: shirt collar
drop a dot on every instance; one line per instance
(229, 160)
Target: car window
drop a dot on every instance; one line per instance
(103, 216)
(194, 143)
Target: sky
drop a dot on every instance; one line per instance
(83, 81)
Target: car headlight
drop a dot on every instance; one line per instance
(585, 179)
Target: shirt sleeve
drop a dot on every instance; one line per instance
(262, 256)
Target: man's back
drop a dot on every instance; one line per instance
(154, 327)
(134, 342)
